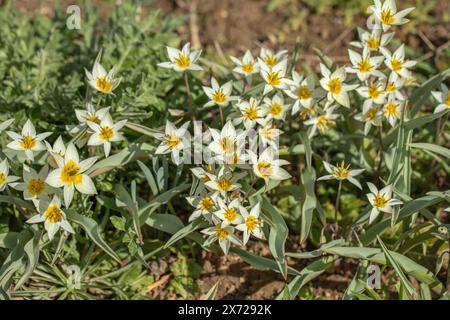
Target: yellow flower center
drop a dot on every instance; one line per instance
(70, 173)
(374, 92)
(391, 109)
(28, 142)
(335, 85)
(251, 113)
(307, 112)
(104, 84)
(373, 43)
(447, 100)
(2, 178)
(275, 109)
(303, 93)
(251, 223)
(396, 64)
(230, 214)
(341, 171)
(267, 133)
(323, 123)
(219, 97)
(387, 17)
(206, 204)
(380, 201)
(36, 186)
(172, 141)
(182, 61)
(53, 214)
(248, 68)
(273, 79)
(93, 118)
(364, 65)
(371, 114)
(221, 233)
(227, 144)
(270, 61)
(265, 168)
(390, 87)
(106, 133)
(224, 184)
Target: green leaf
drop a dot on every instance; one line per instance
(277, 236)
(31, 250)
(392, 261)
(307, 274)
(92, 230)
(184, 232)
(133, 152)
(377, 256)
(165, 222)
(422, 93)
(433, 148)
(211, 294)
(261, 262)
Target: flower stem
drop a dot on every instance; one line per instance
(336, 207)
(188, 89)
(380, 153)
(221, 116)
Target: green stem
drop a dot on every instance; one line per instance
(221, 116)
(188, 89)
(336, 207)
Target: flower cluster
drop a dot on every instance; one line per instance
(61, 171)
(375, 76)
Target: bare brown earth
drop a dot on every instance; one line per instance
(224, 27)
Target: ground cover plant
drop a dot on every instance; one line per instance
(133, 161)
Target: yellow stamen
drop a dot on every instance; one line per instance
(93, 118)
(335, 85)
(273, 79)
(304, 93)
(251, 113)
(248, 68)
(364, 65)
(265, 169)
(374, 92)
(396, 64)
(447, 100)
(227, 144)
(341, 171)
(219, 97)
(222, 234)
(371, 114)
(323, 123)
(104, 84)
(230, 214)
(391, 109)
(53, 214)
(224, 184)
(270, 61)
(70, 173)
(172, 141)
(28, 142)
(182, 61)
(373, 43)
(275, 109)
(206, 204)
(387, 17)
(251, 223)
(2, 178)
(36, 187)
(380, 201)
(106, 133)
